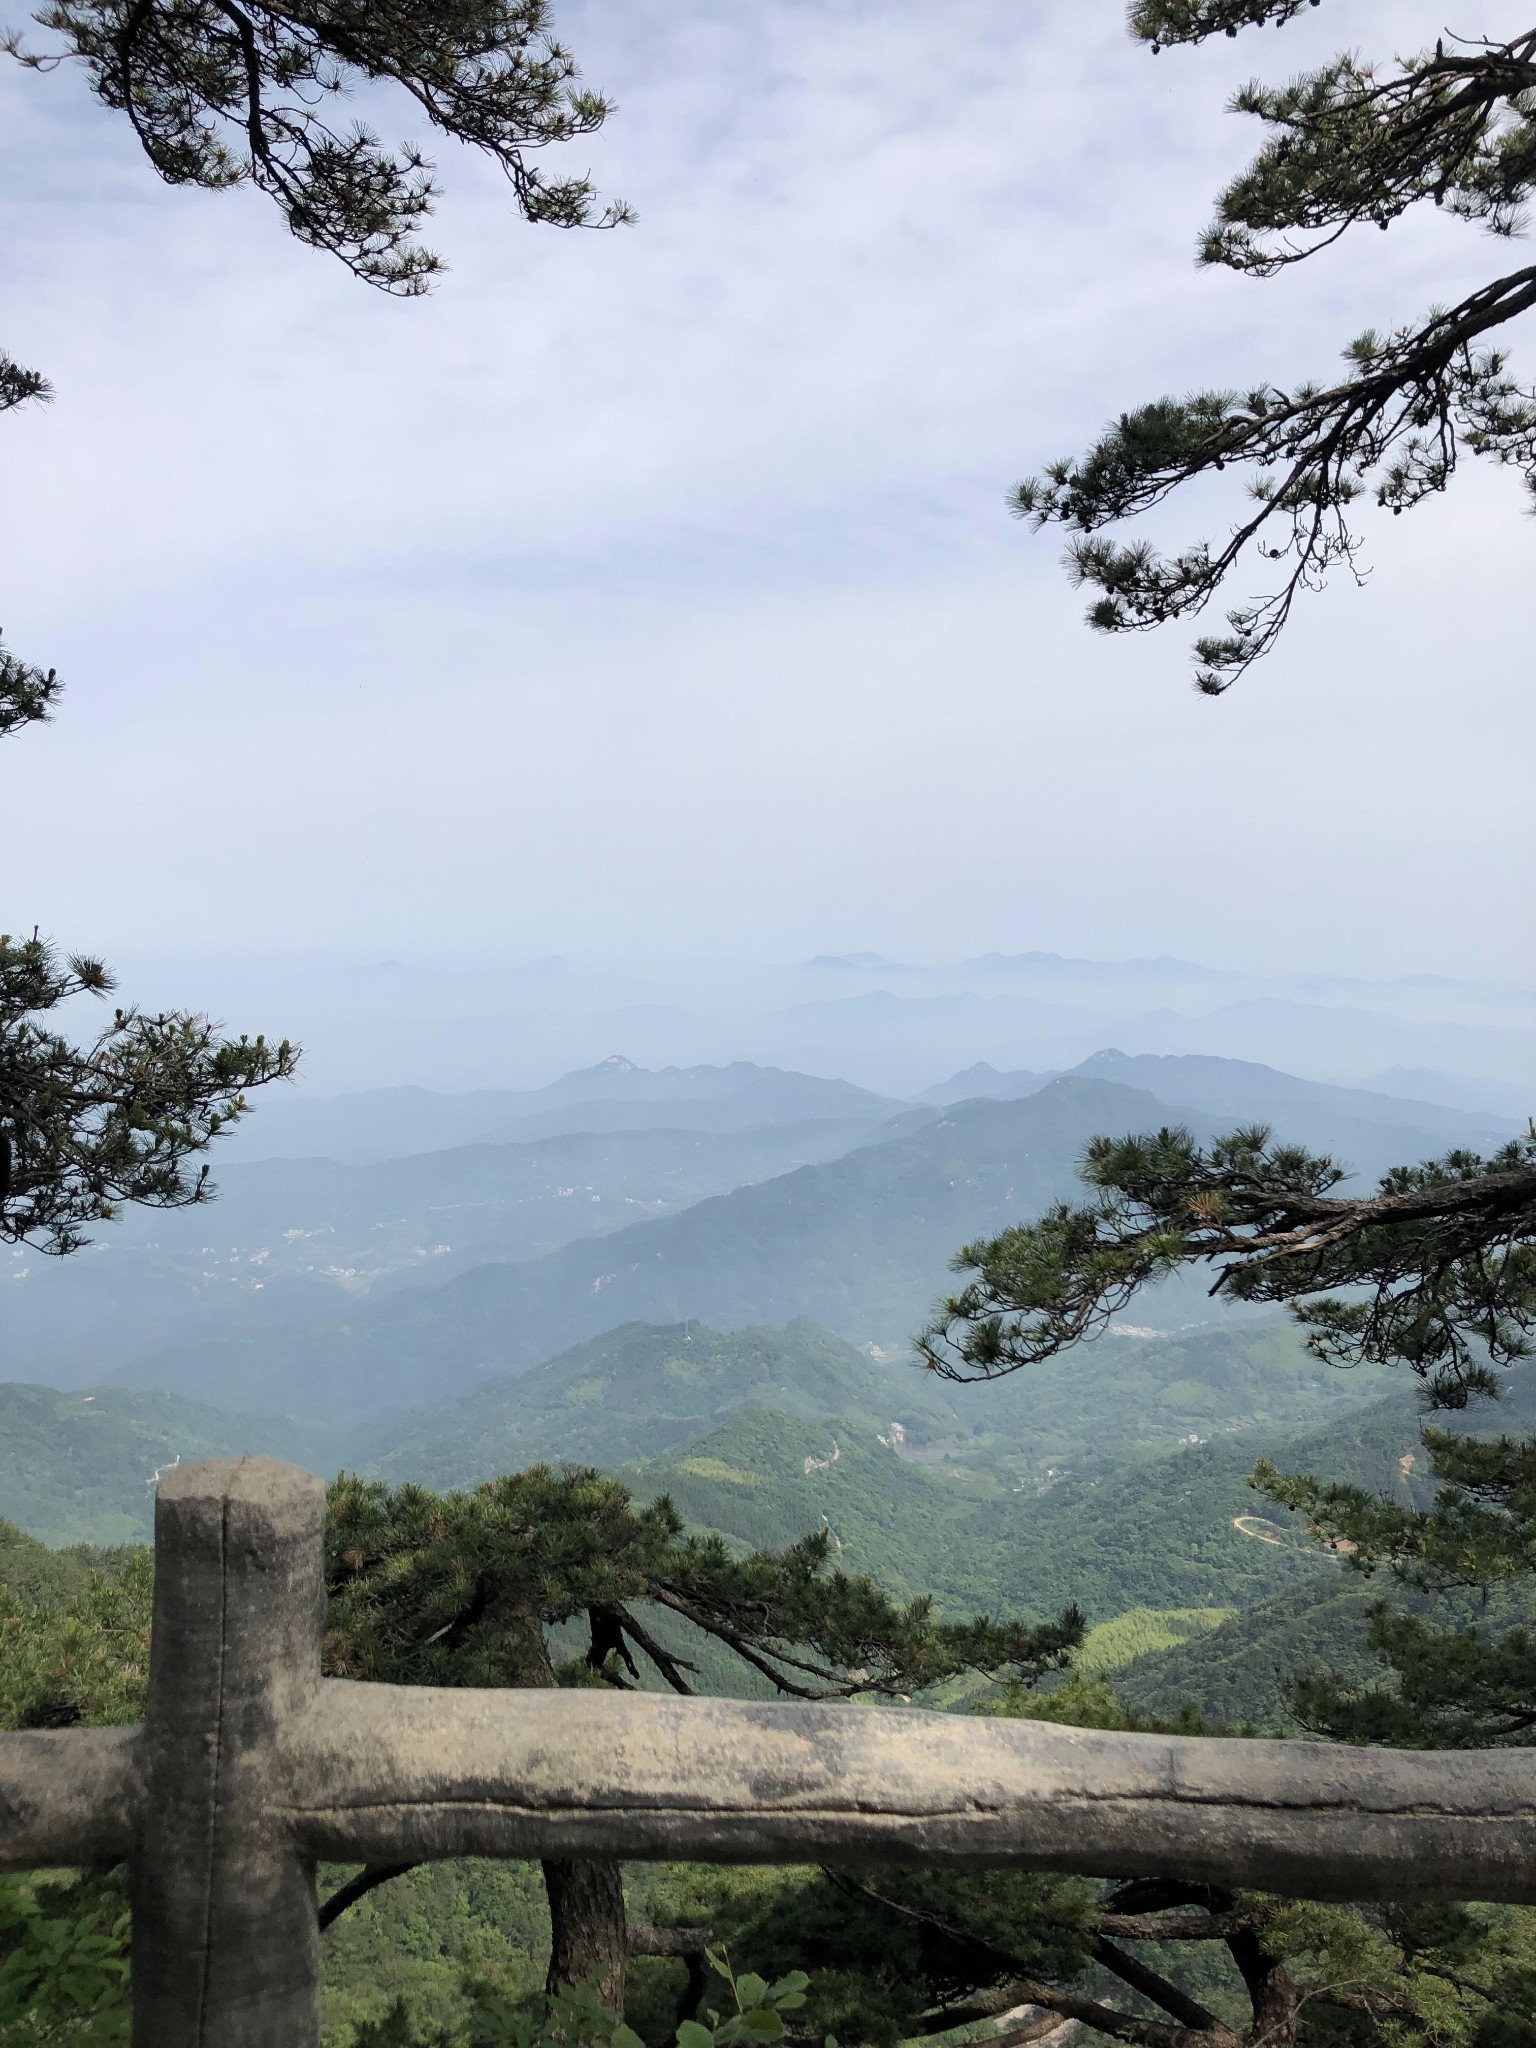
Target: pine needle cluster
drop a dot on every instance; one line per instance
(1351, 144)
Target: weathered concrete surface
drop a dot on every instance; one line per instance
(68, 1796)
(226, 1946)
(586, 1773)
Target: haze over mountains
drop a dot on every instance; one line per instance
(705, 1277)
(614, 1095)
(318, 1286)
(1314, 1113)
(889, 1025)
(860, 1242)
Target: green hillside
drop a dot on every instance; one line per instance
(1238, 1382)
(636, 1391)
(33, 1571)
(1177, 1532)
(1188, 1531)
(1143, 1632)
(1236, 1672)
(767, 1479)
(78, 1468)
(77, 1465)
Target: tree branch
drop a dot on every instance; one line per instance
(1159, 1927)
(670, 1667)
(1189, 2012)
(367, 1880)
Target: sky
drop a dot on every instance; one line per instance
(654, 592)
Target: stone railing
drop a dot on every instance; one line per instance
(249, 1768)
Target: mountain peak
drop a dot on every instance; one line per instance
(617, 1064)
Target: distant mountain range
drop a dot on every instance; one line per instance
(889, 1035)
(1311, 1112)
(614, 1095)
(292, 1241)
(1159, 972)
(862, 1243)
(503, 1027)
(706, 1277)
(497, 1255)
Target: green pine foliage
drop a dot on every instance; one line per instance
(1466, 1679)
(27, 693)
(63, 1961)
(75, 1651)
(462, 1589)
(253, 96)
(1351, 143)
(1436, 1269)
(123, 1117)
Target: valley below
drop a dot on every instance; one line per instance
(713, 1296)
(705, 1284)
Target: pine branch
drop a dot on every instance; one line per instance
(670, 1667)
(1349, 145)
(1189, 2012)
(367, 1880)
(241, 91)
(1441, 1260)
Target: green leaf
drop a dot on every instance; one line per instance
(750, 1989)
(691, 2035)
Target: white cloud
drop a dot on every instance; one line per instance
(643, 587)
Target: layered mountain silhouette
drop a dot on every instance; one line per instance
(861, 1243)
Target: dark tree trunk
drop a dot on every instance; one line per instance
(692, 1945)
(589, 1938)
(1275, 1999)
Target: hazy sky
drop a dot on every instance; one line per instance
(655, 591)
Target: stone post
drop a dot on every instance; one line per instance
(225, 1935)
